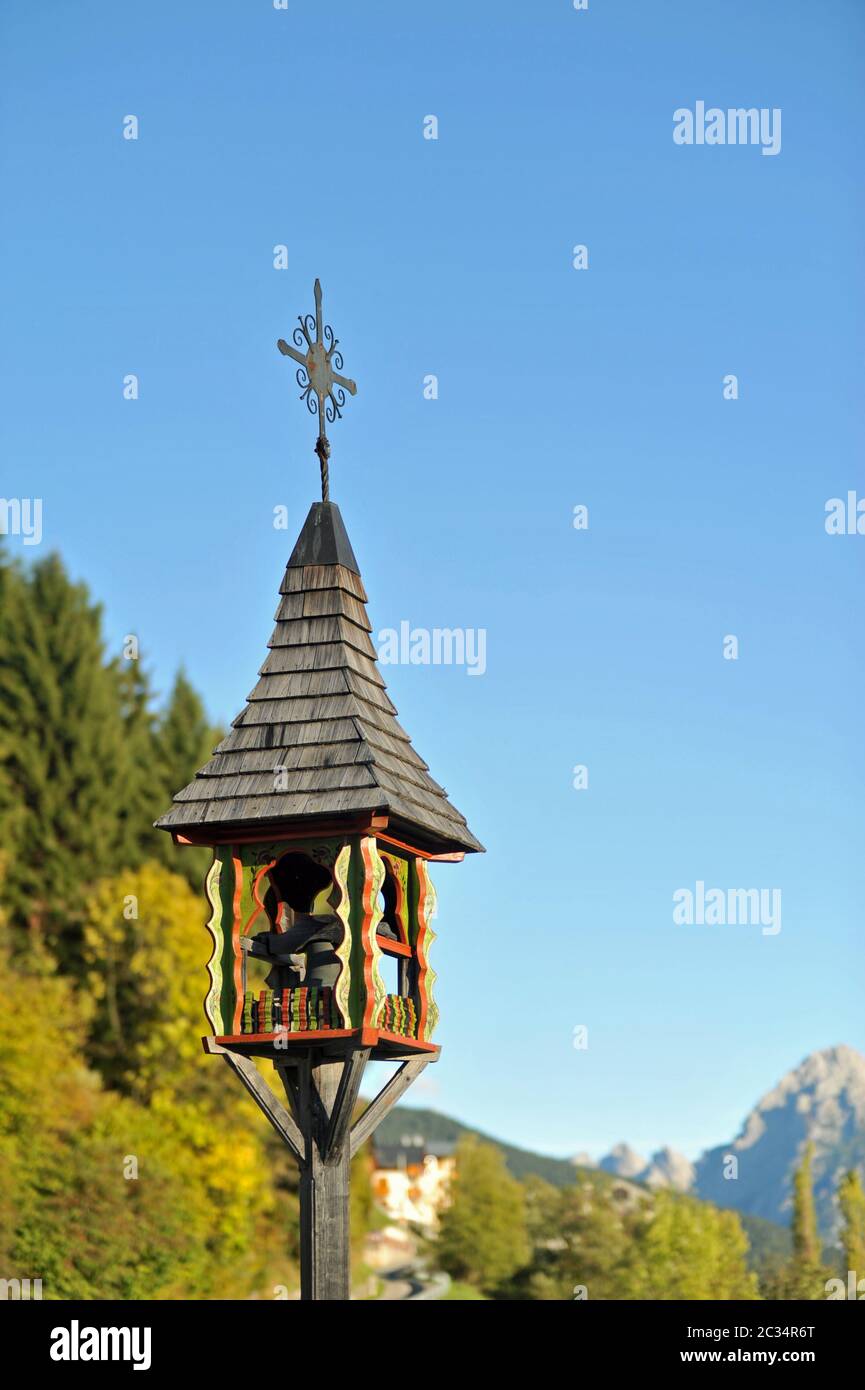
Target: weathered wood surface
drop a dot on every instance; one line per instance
(326, 656)
(339, 1123)
(321, 603)
(322, 577)
(296, 632)
(325, 1251)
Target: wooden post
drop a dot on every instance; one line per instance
(325, 1257)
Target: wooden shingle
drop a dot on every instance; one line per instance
(318, 737)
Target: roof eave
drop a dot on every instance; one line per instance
(408, 834)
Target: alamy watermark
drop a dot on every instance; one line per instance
(737, 125)
(853, 1290)
(77, 1343)
(722, 907)
(20, 1290)
(21, 516)
(438, 646)
(845, 517)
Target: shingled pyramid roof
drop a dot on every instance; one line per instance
(321, 713)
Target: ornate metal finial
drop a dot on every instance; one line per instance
(319, 378)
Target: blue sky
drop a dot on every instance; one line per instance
(557, 387)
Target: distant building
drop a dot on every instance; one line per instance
(411, 1180)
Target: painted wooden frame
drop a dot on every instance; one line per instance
(357, 864)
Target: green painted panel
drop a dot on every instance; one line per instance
(226, 897)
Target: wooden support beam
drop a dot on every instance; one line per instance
(291, 1085)
(325, 1261)
(283, 1122)
(322, 1092)
(339, 1123)
(386, 1100)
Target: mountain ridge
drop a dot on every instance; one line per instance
(821, 1100)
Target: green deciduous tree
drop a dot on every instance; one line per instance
(170, 1195)
(482, 1238)
(145, 953)
(581, 1237)
(686, 1249)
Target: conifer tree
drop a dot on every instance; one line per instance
(61, 740)
(184, 737)
(806, 1246)
(184, 740)
(804, 1276)
(851, 1200)
(86, 766)
(143, 785)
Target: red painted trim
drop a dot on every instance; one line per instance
(368, 1037)
(455, 858)
(256, 896)
(401, 902)
(308, 1035)
(393, 948)
(413, 1044)
(420, 947)
(235, 941)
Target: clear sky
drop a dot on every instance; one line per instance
(557, 387)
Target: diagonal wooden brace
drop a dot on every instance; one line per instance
(386, 1100)
(292, 1090)
(339, 1122)
(281, 1119)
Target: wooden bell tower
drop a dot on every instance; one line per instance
(323, 821)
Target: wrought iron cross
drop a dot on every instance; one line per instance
(318, 376)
